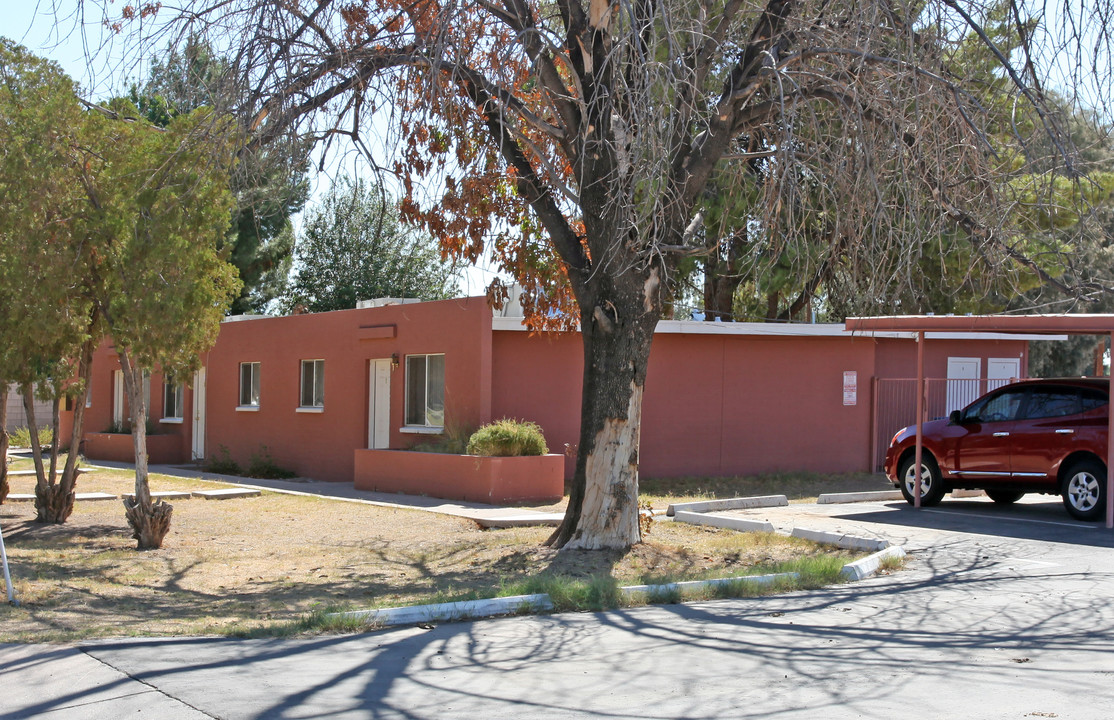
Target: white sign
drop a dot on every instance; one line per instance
(850, 387)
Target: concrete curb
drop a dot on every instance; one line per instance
(226, 494)
(164, 495)
(462, 610)
(494, 607)
(865, 567)
(759, 501)
(847, 542)
(93, 496)
(723, 521)
(853, 497)
(677, 587)
(20, 497)
(551, 519)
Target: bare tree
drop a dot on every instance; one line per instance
(577, 140)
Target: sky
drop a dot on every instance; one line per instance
(73, 40)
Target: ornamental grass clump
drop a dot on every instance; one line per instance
(507, 438)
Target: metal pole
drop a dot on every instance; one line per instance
(920, 421)
(1110, 451)
(7, 575)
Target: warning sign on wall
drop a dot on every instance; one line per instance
(850, 387)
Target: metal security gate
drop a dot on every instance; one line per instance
(895, 405)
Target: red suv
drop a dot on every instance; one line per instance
(1037, 436)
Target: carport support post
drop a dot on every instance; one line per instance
(920, 423)
(1110, 452)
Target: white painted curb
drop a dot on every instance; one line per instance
(743, 503)
(848, 542)
(491, 607)
(869, 565)
(723, 521)
(462, 610)
(853, 497)
(678, 587)
(94, 496)
(225, 494)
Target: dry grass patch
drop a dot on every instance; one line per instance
(262, 565)
(798, 487)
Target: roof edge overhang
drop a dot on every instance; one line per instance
(1058, 324)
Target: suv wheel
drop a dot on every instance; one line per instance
(1085, 490)
(932, 489)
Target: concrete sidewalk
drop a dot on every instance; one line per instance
(485, 515)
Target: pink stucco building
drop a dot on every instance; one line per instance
(722, 398)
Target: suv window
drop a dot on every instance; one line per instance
(995, 408)
(1093, 399)
(1053, 402)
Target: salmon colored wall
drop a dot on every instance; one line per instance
(757, 404)
(897, 358)
(320, 445)
(98, 416)
(714, 405)
(539, 378)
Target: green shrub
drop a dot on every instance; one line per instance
(21, 437)
(222, 463)
(508, 438)
(263, 466)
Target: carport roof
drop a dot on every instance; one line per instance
(1058, 324)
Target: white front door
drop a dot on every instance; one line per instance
(379, 405)
(199, 414)
(118, 398)
(963, 382)
(999, 371)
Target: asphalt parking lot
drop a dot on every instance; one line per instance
(1039, 518)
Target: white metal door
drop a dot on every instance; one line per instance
(118, 398)
(963, 382)
(199, 414)
(999, 371)
(379, 405)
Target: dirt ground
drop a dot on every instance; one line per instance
(237, 565)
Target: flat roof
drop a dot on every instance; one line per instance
(1053, 324)
(759, 329)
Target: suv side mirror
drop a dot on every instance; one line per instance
(956, 417)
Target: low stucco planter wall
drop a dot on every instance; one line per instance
(495, 480)
(161, 449)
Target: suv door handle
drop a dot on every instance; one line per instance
(1065, 431)
(1001, 434)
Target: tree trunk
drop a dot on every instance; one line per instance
(3, 442)
(53, 502)
(722, 276)
(70, 471)
(617, 327)
(149, 521)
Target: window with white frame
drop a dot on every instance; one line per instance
(249, 385)
(313, 384)
(425, 390)
(173, 397)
